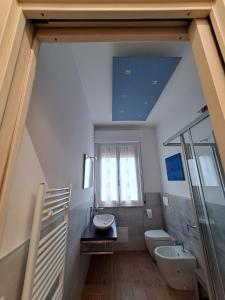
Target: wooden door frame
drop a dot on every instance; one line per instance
(20, 42)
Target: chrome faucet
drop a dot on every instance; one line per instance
(180, 243)
(93, 212)
(94, 209)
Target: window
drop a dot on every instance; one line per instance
(208, 171)
(118, 174)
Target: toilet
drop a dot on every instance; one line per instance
(156, 238)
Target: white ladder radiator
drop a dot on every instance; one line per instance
(46, 259)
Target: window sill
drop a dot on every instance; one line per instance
(120, 206)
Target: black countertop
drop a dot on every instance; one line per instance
(93, 234)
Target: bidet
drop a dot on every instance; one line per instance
(176, 266)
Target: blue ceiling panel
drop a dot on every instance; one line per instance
(137, 85)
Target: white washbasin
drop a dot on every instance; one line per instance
(176, 267)
(103, 221)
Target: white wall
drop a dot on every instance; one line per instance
(182, 98)
(150, 161)
(27, 175)
(59, 120)
(61, 129)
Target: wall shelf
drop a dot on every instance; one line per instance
(98, 242)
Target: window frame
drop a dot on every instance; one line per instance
(119, 203)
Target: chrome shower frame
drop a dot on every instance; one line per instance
(214, 293)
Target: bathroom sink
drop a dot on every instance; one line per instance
(176, 267)
(103, 221)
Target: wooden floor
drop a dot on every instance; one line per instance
(128, 276)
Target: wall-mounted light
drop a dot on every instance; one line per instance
(88, 171)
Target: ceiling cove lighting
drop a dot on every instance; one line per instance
(142, 78)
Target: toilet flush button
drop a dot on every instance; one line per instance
(165, 201)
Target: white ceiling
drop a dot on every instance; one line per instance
(94, 63)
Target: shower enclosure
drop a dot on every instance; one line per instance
(206, 180)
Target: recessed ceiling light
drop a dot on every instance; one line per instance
(127, 72)
(154, 82)
(124, 96)
(122, 111)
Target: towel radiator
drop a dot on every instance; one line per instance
(46, 259)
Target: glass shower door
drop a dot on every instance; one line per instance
(207, 186)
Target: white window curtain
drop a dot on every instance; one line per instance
(118, 176)
(108, 173)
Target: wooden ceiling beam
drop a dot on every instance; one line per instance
(118, 34)
(110, 23)
(119, 10)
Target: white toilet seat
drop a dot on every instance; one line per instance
(157, 234)
(155, 238)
